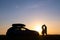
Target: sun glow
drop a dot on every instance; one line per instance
(38, 28)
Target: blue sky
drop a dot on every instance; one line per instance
(30, 12)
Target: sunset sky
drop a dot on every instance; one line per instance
(30, 12)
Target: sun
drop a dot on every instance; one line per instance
(38, 28)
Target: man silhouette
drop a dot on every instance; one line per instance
(44, 30)
(19, 32)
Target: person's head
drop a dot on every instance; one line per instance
(44, 26)
(17, 25)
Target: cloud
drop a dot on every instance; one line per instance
(17, 6)
(36, 5)
(32, 6)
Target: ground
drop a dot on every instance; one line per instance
(48, 37)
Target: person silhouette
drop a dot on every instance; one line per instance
(44, 30)
(19, 32)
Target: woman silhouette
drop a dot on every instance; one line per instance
(44, 30)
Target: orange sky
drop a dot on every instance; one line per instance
(52, 27)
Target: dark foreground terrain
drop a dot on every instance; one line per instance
(48, 37)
